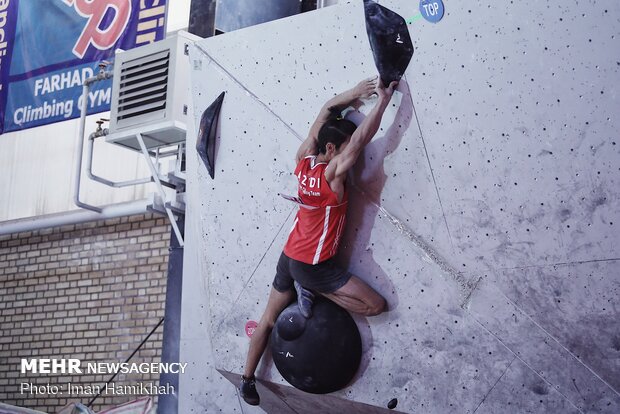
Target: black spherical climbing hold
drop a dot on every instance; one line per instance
(392, 404)
(325, 356)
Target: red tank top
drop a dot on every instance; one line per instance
(320, 220)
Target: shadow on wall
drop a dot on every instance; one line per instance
(366, 183)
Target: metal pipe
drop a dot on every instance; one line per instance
(167, 154)
(80, 147)
(89, 165)
(76, 216)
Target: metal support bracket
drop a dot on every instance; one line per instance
(160, 189)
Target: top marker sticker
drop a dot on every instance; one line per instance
(432, 10)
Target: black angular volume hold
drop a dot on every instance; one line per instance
(389, 40)
(205, 144)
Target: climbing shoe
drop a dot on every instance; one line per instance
(248, 390)
(305, 299)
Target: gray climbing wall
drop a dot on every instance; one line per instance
(485, 210)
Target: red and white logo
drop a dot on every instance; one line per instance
(95, 11)
(250, 326)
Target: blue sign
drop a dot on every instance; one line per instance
(432, 10)
(46, 53)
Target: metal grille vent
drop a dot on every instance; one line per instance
(143, 86)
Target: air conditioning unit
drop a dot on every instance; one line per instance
(150, 93)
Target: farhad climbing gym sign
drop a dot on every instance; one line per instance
(48, 48)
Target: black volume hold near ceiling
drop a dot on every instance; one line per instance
(389, 40)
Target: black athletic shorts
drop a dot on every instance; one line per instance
(324, 277)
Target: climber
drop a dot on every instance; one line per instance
(306, 265)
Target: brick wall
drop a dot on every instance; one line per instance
(90, 291)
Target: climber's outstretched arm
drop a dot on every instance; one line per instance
(338, 103)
